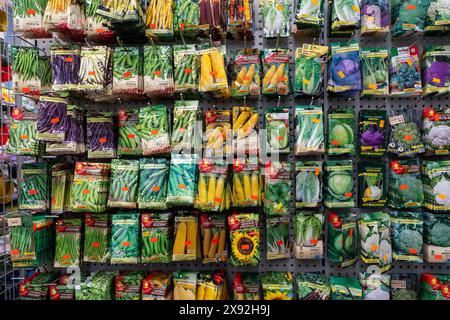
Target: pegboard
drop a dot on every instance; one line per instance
(262, 103)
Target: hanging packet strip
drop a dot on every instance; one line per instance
(342, 246)
(344, 71)
(308, 15)
(73, 142)
(436, 185)
(186, 246)
(277, 188)
(154, 130)
(185, 137)
(34, 187)
(130, 143)
(276, 18)
(375, 238)
(52, 119)
(339, 184)
(308, 235)
(246, 66)
(276, 123)
(277, 235)
(157, 237)
(182, 180)
(127, 71)
(374, 17)
(309, 132)
(153, 183)
(372, 133)
(62, 179)
(405, 184)
(309, 69)
(405, 76)
(22, 132)
(245, 131)
(212, 185)
(341, 128)
(244, 239)
(159, 19)
(404, 139)
(28, 18)
(247, 183)
(276, 72)
(90, 187)
(125, 238)
(372, 185)
(187, 64)
(345, 16)
(214, 238)
(67, 243)
(217, 132)
(65, 68)
(308, 184)
(158, 71)
(101, 135)
(407, 236)
(375, 72)
(124, 184)
(436, 70)
(97, 237)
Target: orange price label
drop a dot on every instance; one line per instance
(436, 80)
(408, 137)
(403, 187)
(54, 120)
(412, 251)
(26, 90)
(411, 7)
(317, 171)
(315, 2)
(217, 199)
(247, 78)
(438, 256)
(66, 257)
(126, 244)
(156, 188)
(215, 240)
(381, 123)
(335, 142)
(372, 86)
(279, 138)
(33, 191)
(23, 137)
(315, 120)
(68, 59)
(374, 247)
(188, 70)
(442, 196)
(408, 61)
(100, 30)
(341, 74)
(187, 243)
(31, 12)
(86, 191)
(181, 186)
(95, 244)
(154, 132)
(102, 140)
(125, 188)
(131, 136)
(314, 241)
(241, 9)
(254, 197)
(154, 239)
(91, 73)
(281, 79)
(181, 130)
(157, 72)
(245, 246)
(306, 81)
(348, 194)
(152, 26)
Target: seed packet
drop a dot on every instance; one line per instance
(213, 76)
(309, 133)
(130, 143)
(211, 286)
(34, 187)
(212, 185)
(308, 15)
(309, 69)
(436, 238)
(308, 184)
(157, 237)
(159, 24)
(344, 71)
(67, 243)
(341, 132)
(186, 246)
(436, 184)
(372, 184)
(246, 66)
(404, 286)
(125, 238)
(127, 71)
(158, 285)
(277, 285)
(276, 72)
(247, 286)
(276, 123)
(154, 130)
(62, 179)
(276, 18)
(97, 238)
(247, 186)
(101, 135)
(433, 286)
(123, 192)
(342, 239)
(408, 17)
(277, 188)
(313, 286)
(374, 17)
(182, 180)
(277, 238)
(213, 236)
(437, 22)
(128, 285)
(405, 72)
(436, 70)
(404, 138)
(405, 184)
(217, 132)
(158, 71)
(52, 119)
(372, 133)
(244, 239)
(407, 236)
(345, 17)
(186, 66)
(240, 21)
(309, 235)
(186, 18)
(153, 183)
(185, 137)
(245, 131)
(184, 285)
(436, 130)
(339, 184)
(375, 72)
(375, 286)
(375, 239)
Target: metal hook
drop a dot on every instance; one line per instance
(152, 42)
(181, 97)
(182, 37)
(88, 44)
(279, 101)
(119, 42)
(312, 101)
(245, 101)
(245, 43)
(278, 41)
(210, 40)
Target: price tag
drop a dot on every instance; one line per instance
(341, 74)
(436, 80)
(14, 222)
(396, 120)
(372, 86)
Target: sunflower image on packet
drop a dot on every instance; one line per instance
(244, 238)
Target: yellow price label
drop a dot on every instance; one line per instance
(442, 196)
(315, 120)
(355, 8)
(341, 74)
(315, 2)
(436, 80)
(305, 81)
(372, 86)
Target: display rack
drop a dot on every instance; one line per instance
(261, 104)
